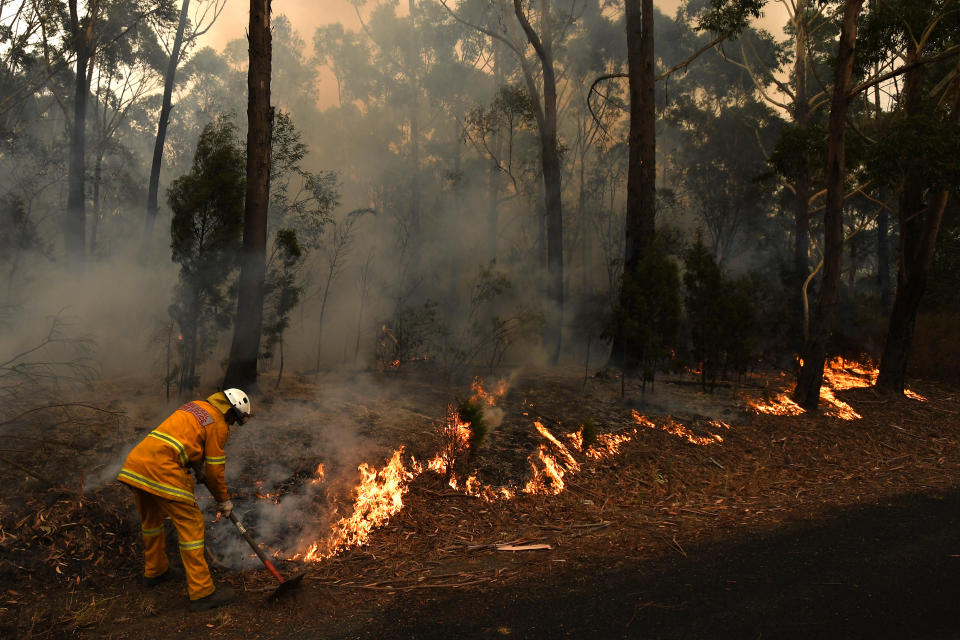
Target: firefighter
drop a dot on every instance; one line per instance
(193, 438)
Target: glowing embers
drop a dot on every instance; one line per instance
(675, 428)
(839, 374)
(473, 487)
(266, 495)
(379, 497)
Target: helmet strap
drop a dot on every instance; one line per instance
(238, 416)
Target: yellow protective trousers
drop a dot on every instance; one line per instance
(189, 524)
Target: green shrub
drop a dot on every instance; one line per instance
(471, 414)
(589, 432)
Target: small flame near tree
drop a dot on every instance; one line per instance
(839, 374)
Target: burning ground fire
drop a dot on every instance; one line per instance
(379, 494)
(839, 374)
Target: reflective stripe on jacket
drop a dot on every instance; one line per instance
(195, 433)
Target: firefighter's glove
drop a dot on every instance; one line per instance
(225, 508)
(199, 475)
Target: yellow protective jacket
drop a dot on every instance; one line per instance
(195, 433)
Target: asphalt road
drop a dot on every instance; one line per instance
(883, 571)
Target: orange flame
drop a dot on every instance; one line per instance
(378, 498)
(548, 478)
(564, 452)
(675, 428)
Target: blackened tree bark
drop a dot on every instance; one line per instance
(75, 224)
(801, 115)
(413, 65)
(550, 163)
(919, 226)
(494, 171)
(165, 107)
(883, 218)
(245, 349)
(810, 379)
(641, 167)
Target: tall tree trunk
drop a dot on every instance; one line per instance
(413, 64)
(493, 176)
(75, 239)
(242, 368)
(97, 206)
(883, 218)
(919, 227)
(641, 167)
(801, 115)
(168, 83)
(810, 379)
(582, 223)
(883, 256)
(552, 170)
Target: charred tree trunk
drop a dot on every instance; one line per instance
(75, 223)
(883, 256)
(97, 205)
(413, 66)
(641, 171)
(919, 226)
(883, 221)
(641, 168)
(245, 349)
(801, 233)
(810, 379)
(493, 176)
(165, 108)
(552, 170)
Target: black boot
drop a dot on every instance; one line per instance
(223, 595)
(170, 574)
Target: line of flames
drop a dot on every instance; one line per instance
(839, 374)
(379, 495)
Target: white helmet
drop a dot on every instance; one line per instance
(240, 403)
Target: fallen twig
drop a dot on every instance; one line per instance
(26, 471)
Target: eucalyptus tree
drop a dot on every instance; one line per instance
(720, 166)
(795, 81)
(723, 19)
(245, 348)
(86, 29)
(185, 35)
(918, 149)
(717, 131)
(810, 378)
(210, 86)
(513, 26)
(594, 48)
(208, 212)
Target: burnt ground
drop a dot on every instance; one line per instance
(792, 526)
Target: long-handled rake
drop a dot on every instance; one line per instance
(286, 586)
